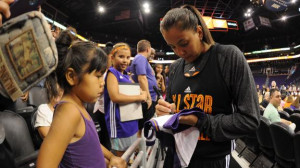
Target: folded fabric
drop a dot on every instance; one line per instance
(173, 122)
(186, 136)
(185, 143)
(155, 125)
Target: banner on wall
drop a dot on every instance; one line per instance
(248, 24)
(276, 5)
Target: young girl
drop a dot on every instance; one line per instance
(160, 77)
(45, 111)
(72, 140)
(122, 134)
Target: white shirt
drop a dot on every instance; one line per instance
(44, 116)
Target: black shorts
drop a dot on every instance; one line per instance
(210, 163)
(147, 113)
(172, 160)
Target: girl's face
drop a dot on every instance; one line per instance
(121, 59)
(185, 43)
(158, 69)
(90, 87)
(166, 69)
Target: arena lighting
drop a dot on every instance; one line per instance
(283, 18)
(56, 23)
(64, 28)
(297, 46)
(146, 5)
(101, 9)
(161, 61)
(293, 1)
(147, 10)
(274, 58)
(170, 53)
(266, 51)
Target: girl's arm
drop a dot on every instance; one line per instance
(43, 131)
(65, 123)
(113, 91)
(163, 86)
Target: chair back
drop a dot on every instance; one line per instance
(284, 115)
(264, 137)
(37, 140)
(295, 118)
(283, 143)
(6, 156)
(297, 111)
(37, 96)
(297, 148)
(18, 137)
(288, 110)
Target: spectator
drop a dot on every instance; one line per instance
(143, 74)
(271, 112)
(265, 101)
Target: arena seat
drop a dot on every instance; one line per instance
(264, 138)
(282, 138)
(295, 118)
(18, 138)
(284, 115)
(37, 96)
(297, 148)
(37, 140)
(288, 110)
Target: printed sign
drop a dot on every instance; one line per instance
(24, 54)
(7, 80)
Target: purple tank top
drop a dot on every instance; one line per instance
(86, 152)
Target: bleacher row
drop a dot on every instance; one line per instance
(274, 144)
(20, 141)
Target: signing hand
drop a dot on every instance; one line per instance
(164, 108)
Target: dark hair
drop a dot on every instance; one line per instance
(51, 86)
(80, 53)
(272, 91)
(142, 45)
(108, 47)
(186, 17)
(63, 42)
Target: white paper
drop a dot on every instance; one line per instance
(131, 111)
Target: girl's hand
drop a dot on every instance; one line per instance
(164, 108)
(117, 162)
(143, 96)
(159, 76)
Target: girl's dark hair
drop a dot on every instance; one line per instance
(63, 42)
(51, 86)
(78, 54)
(186, 17)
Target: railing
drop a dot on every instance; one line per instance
(146, 158)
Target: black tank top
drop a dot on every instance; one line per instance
(208, 91)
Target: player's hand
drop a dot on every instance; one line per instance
(164, 108)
